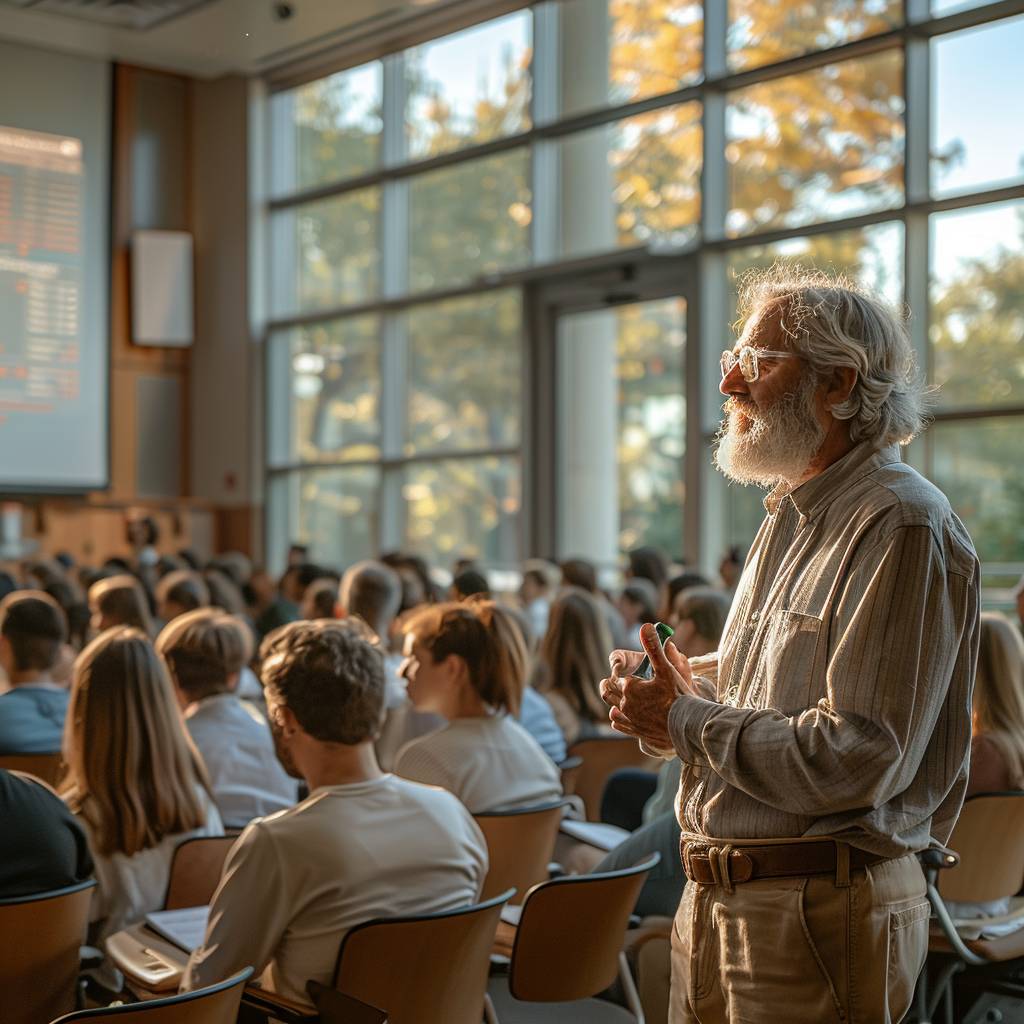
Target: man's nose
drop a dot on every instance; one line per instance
(733, 382)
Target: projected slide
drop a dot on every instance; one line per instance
(43, 411)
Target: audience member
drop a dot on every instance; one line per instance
(42, 846)
(731, 567)
(683, 581)
(997, 740)
(467, 662)
(537, 591)
(577, 572)
(119, 601)
(372, 592)
(362, 845)
(649, 563)
(411, 567)
(225, 593)
(469, 583)
(573, 656)
(33, 632)
(298, 554)
(180, 592)
(76, 611)
(320, 599)
(698, 618)
(296, 578)
(134, 779)
(205, 651)
(267, 606)
(638, 604)
(535, 714)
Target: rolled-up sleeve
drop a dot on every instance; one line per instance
(894, 646)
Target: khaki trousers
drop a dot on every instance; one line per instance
(800, 950)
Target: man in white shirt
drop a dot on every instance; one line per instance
(364, 844)
(205, 651)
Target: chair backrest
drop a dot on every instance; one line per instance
(430, 969)
(570, 934)
(196, 870)
(569, 770)
(601, 756)
(989, 837)
(217, 1004)
(520, 845)
(40, 938)
(48, 767)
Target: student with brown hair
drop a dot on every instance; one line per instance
(120, 601)
(363, 844)
(134, 779)
(573, 656)
(33, 631)
(205, 651)
(468, 662)
(179, 592)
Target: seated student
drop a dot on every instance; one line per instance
(134, 779)
(42, 846)
(997, 741)
(468, 663)
(180, 592)
(204, 651)
(372, 592)
(119, 601)
(33, 632)
(638, 604)
(363, 844)
(573, 656)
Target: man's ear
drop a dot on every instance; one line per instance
(286, 719)
(232, 681)
(840, 384)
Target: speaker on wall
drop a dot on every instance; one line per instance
(161, 263)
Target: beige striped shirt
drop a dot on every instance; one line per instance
(843, 681)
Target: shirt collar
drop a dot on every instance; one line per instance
(814, 496)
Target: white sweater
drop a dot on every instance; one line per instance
(490, 764)
(297, 881)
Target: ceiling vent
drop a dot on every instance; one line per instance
(135, 14)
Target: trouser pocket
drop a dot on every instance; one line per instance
(908, 949)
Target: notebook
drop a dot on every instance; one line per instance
(594, 833)
(184, 928)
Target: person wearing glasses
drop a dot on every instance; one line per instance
(826, 742)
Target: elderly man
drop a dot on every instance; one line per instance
(827, 740)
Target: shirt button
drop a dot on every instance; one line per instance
(754, 616)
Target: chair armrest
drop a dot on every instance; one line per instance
(650, 928)
(949, 929)
(337, 1008)
(273, 1005)
(89, 957)
(939, 857)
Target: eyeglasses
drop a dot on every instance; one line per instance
(749, 359)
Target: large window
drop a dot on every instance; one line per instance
(485, 253)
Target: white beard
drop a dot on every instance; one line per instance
(778, 444)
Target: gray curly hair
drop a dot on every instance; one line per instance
(830, 321)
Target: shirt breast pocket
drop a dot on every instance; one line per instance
(790, 650)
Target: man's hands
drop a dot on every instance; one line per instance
(639, 707)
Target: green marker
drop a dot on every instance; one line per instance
(644, 670)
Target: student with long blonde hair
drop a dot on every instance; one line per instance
(573, 659)
(997, 740)
(468, 662)
(134, 779)
(119, 601)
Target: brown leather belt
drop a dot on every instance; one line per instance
(710, 864)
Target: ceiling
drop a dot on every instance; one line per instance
(205, 38)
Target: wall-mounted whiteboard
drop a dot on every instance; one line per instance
(162, 288)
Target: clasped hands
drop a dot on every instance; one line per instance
(640, 707)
